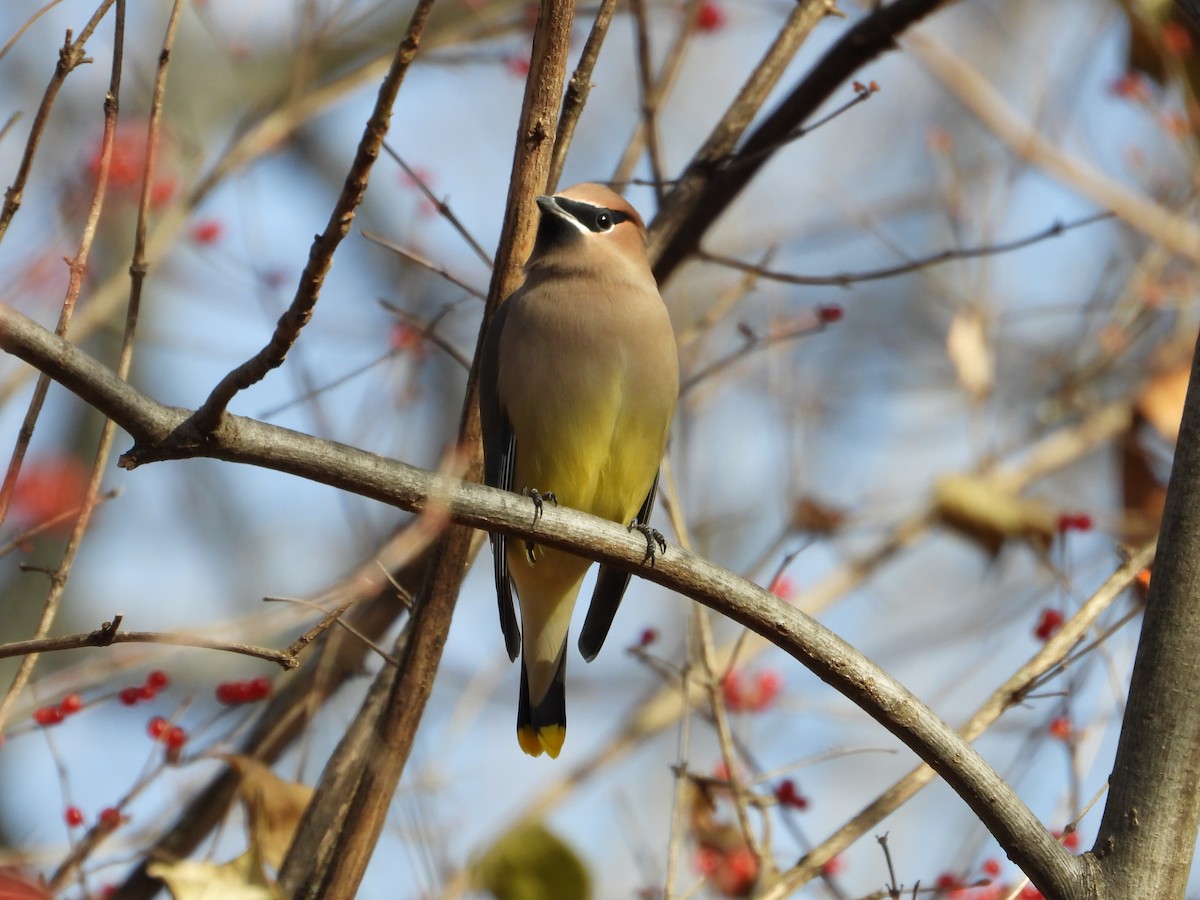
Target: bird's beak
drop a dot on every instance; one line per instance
(549, 205)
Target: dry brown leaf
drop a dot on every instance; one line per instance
(816, 517)
(990, 515)
(273, 806)
(1161, 401)
(967, 347)
(239, 879)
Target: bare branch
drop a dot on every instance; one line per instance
(1019, 832)
(320, 256)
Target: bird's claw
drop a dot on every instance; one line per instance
(653, 537)
(539, 500)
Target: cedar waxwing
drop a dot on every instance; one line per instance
(578, 383)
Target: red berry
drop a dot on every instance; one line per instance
(1060, 728)
(787, 795)
(1050, 621)
(50, 488)
(517, 65)
(110, 817)
(1029, 892)
(48, 715)
(731, 690)
(258, 688)
(711, 17)
(768, 683)
(947, 882)
(829, 313)
(129, 696)
(74, 816)
(146, 692)
(783, 587)
(72, 703)
(833, 866)
(1131, 86)
(162, 191)
(228, 693)
(1070, 839)
(175, 737)
(741, 868)
(157, 679)
(207, 231)
(1176, 39)
(708, 860)
(648, 637)
(156, 727)
(991, 867)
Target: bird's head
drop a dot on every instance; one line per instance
(589, 224)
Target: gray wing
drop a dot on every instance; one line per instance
(499, 455)
(610, 588)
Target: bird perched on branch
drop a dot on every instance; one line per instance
(578, 383)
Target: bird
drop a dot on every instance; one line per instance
(579, 378)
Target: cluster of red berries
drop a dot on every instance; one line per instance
(148, 690)
(789, 795)
(1049, 622)
(109, 818)
(1074, 522)
(251, 690)
(731, 871)
(173, 736)
(752, 695)
(52, 715)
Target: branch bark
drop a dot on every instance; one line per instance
(1055, 871)
(1148, 833)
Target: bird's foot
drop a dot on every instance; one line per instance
(539, 500)
(654, 539)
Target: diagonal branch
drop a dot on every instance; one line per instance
(714, 178)
(1018, 831)
(320, 256)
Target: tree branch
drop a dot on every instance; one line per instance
(1148, 832)
(236, 439)
(714, 178)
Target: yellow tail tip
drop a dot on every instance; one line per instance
(547, 740)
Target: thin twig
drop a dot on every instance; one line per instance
(320, 257)
(648, 90)
(1172, 230)
(442, 208)
(713, 179)
(110, 634)
(11, 42)
(78, 267)
(578, 89)
(848, 278)
(70, 56)
(424, 263)
(1050, 654)
(655, 95)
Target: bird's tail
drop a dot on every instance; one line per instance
(543, 727)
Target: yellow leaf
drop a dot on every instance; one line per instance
(531, 863)
(990, 515)
(239, 879)
(273, 806)
(967, 347)
(1161, 400)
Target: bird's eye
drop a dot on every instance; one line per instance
(603, 220)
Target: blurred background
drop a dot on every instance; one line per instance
(810, 452)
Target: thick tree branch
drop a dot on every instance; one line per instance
(1148, 833)
(714, 178)
(236, 439)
